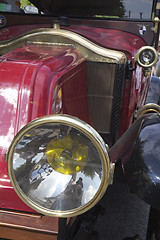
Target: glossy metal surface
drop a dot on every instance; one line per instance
(143, 168)
(147, 108)
(13, 91)
(139, 151)
(22, 71)
(27, 79)
(89, 50)
(18, 24)
(103, 32)
(146, 56)
(135, 94)
(35, 83)
(43, 186)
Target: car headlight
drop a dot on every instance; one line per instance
(146, 56)
(59, 165)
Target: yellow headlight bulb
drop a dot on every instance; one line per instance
(68, 155)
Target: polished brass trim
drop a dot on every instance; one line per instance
(147, 108)
(89, 50)
(112, 168)
(158, 6)
(51, 44)
(96, 140)
(136, 57)
(56, 25)
(156, 23)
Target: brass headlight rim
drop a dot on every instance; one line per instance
(91, 134)
(136, 58)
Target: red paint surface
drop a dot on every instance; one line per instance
(111, 38)
(32, 76)
(135, 93)
(14, 31)
(135, 89)
(26, 75)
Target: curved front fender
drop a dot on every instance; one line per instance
(139, 151)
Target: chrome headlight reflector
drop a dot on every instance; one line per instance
(146, 56)
(59, 166)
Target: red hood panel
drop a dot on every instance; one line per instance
(109, 38)
(19, 70)
(12, 92)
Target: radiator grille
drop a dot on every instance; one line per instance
(117, 101)
(105, 91)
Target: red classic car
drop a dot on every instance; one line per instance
(74, 82)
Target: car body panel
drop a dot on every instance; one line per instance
(129, 43)
(44, 78)
(30, 78)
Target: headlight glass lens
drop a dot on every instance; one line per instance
(56, 167)
(67, 155)
(147, 57)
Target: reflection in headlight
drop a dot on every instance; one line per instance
(89, 193)
(59, 185)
